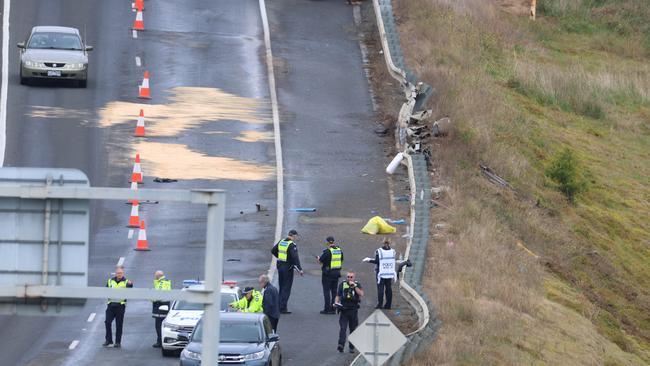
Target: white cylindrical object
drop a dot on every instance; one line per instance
(390, 169)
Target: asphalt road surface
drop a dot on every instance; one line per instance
(209, 126)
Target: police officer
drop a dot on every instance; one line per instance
(160, 283)
(115, 308)
(332, 261)
(250, 303)
(287, 253)
(347, 301)
(385, 269)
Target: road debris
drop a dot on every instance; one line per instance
(492, 177)
(303, 209)
(164, 180)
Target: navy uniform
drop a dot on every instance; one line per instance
(332, 261)
(386, 272)
(287, 253)
(348, 299)
(115, 309)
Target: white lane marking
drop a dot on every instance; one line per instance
(5, 80)
(130, 235)
(134, 33)
(120, 262)
(91, 317)
(276, 132)
(73, 345)
(138, 62)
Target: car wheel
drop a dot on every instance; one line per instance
(168, 352)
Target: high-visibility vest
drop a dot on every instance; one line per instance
(252, 306)
(350, 299)
(114, 284)
(386, 264)
(336, 261)
(283, 247)
(162, 284)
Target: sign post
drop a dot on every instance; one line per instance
(377, 338)
(33, 273)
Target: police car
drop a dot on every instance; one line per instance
(183, 316)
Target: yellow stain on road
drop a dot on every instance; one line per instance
(187, 108)
(254, 136)
(178, 162)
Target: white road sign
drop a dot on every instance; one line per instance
(377, 338)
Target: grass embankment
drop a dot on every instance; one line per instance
(519, 93)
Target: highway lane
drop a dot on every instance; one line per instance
(333, 161)
(210, 126)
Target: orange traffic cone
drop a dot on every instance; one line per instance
(142, 238)
(134, 220)
(136, 176)
(138, 5)
(139, 127)
(138, 23)
(144, 88)
(134, 187)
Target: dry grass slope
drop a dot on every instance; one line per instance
(519, 92)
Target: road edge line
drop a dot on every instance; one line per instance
(276, 134)
(5, 80)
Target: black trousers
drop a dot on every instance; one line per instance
(285, 281)
(330, 286)
(159, 321)
(347, 318)
(385, 285)
(114, 311)
(274, 323)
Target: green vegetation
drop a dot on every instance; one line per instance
(530, 100)
(565, 170)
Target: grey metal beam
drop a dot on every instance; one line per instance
(203, 196)
(67, 292)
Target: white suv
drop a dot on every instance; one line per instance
(183, 316)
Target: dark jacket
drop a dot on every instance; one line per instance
(376, 261)
(271, 301)
(348, 297)
(292, 255)
(325, 259)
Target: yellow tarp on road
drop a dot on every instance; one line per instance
(377, 225)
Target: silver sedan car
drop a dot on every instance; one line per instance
(54, 53)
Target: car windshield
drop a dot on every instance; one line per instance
(233, 332)
(59, 41)
(225, 300)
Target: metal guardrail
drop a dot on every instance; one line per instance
(410, 115)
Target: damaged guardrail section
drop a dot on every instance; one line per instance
(409, 135)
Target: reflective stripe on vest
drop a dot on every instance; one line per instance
(336, 262)
(386, 264)
(283, 247)
(114, 284)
